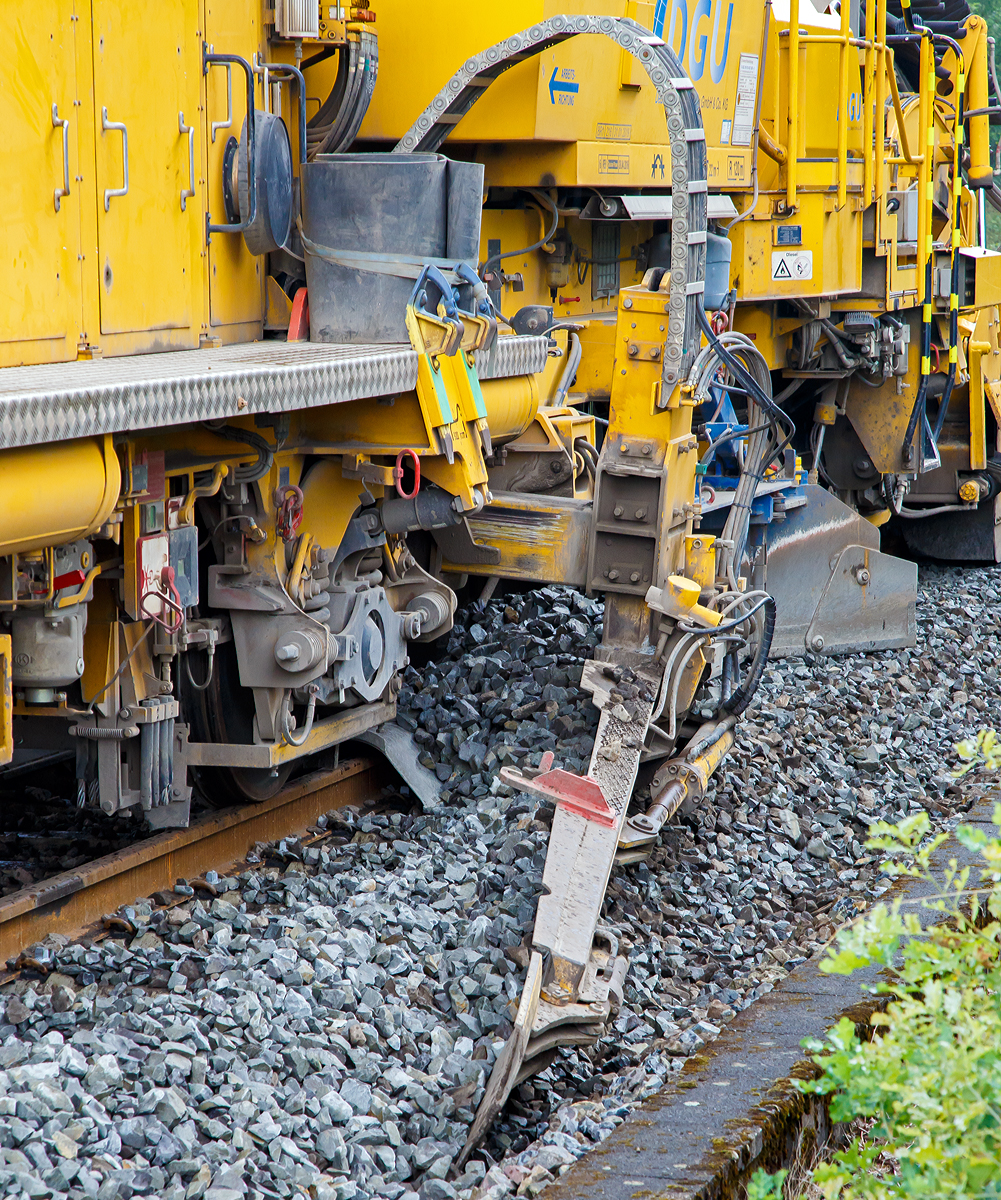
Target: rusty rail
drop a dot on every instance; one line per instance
(70, 902)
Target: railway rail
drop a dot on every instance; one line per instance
(68, 903)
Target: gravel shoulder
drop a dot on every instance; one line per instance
(324, 1025)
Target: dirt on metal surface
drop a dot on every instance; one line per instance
(70, 902)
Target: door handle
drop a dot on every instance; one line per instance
(62, 123)
(107, 125)
(189, 191)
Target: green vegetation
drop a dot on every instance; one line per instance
(927, 1086)
(984, 750)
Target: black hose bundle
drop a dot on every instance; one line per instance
(246, 437)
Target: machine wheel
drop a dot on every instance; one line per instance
(224, 713)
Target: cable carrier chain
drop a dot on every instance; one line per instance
(697, 302)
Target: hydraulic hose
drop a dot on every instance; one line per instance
(286, 718)
(246, 437)
(574, 352)
(541, 198)
(737, 704)
(957, 195)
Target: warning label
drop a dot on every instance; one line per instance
(743, 110)
(788, 265)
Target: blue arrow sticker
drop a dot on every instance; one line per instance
(562, 87)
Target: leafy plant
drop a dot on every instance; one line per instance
(763, 1186)
(984, 750)
(930, 1081)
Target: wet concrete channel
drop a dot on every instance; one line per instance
(735, 1107)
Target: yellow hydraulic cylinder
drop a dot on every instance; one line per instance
(511, 405)
(56, 493)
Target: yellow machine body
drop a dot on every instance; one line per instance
(233, 537)
(791, 99)
(587, 111)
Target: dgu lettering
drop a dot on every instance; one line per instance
(693, 34)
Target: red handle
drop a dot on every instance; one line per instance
(67, 580)
(170, 597)
(398, 474)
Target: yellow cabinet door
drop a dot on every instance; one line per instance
(147, 89)
(236, 283)
(40, 267)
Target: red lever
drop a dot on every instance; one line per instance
(68, 580)
(298, 326)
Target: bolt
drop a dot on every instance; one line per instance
(124, 714)
(817, 643)
(655, 352)
(647, 450)
(862, 576)
(633, 349)
(613, 575)
(618, 510)
(287, 653)
(640, 514)
(627, 303)
(634, 577)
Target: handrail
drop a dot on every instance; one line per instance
(891, 74)
(792, 102)
(874, 44)
(880, 114)
(868, 111)
(210, 58)
(842, 114)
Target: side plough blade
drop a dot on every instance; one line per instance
(573, 984)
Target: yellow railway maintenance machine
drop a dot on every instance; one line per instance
(266, 402)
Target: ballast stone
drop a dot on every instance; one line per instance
(404, 920)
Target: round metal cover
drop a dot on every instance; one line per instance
(273, 170)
